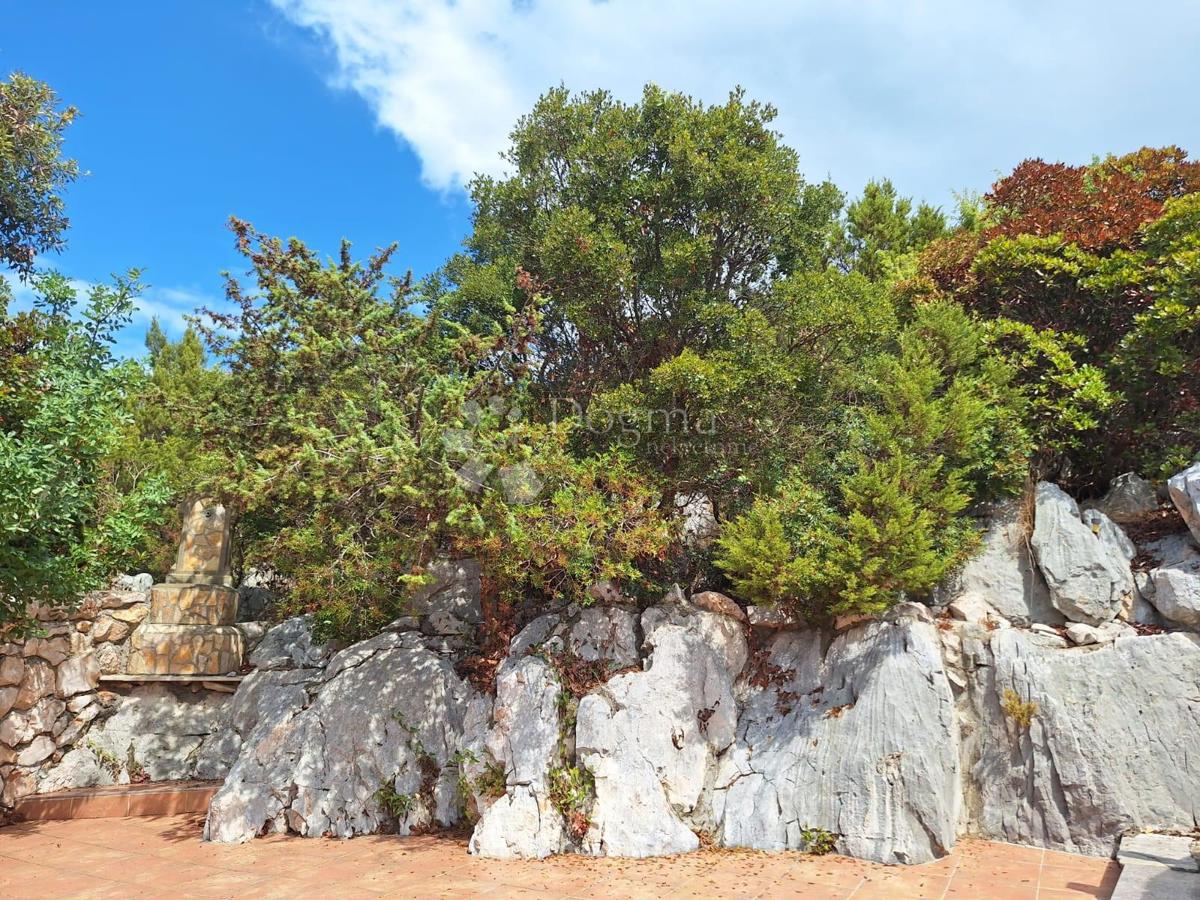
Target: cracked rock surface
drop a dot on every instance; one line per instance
(1110, 744)
(386, 713)
(858, 739)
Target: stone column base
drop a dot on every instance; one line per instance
(193, 604)
(156, 649)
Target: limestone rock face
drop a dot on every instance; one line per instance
(386, 713)
(859, 740)
(1177, 595)
(1086, 566)
(1109, 745)
(1184, 489)
(1003, 574)
(1129, 498)
(289, 645)
(525, 740)
(1172, 589)
(651, 739)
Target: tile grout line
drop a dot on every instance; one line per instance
(950, 880)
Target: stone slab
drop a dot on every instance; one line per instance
(1172, 851)
(1156, 883)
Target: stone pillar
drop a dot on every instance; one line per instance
(190, 629)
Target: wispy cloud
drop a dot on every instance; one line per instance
(939, 94)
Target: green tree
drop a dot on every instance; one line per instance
(732, 421)
(362, 438)
(166, 406)
(633, 221)
(939, 425)
(881, 226)
(33, 171)
(62, 527)
(1094, 259)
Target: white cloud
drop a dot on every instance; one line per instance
(939, 94)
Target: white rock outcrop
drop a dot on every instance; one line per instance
(651, 739)
(1109, 743)
(1085, 564)
(1184, 489)
(386, 715)
(1002, 572)
(525, 741)
(859, 740)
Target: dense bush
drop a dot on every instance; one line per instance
(1101, 257)
(361, 439)
(938, 424)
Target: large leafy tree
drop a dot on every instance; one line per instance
(733, 420)
(635, 222)
(1099, 256)
(62, 526)
(33, 170)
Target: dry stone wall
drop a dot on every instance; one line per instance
(61, 728)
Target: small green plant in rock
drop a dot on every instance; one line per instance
(818, 841)
(572, 790)
(493, 781)
(107, 759)
(1020, 711)
(394, 803)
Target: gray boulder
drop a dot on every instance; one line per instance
(698, 526)
(651, 739)
(289, 645)
(1108, 745)
(859, 740)
(1003, 574)
(1177, 595)
(385, 716)
(158, 729)
(1184, 489)
(1173, 587)
(1129, 499)
(1086, 565)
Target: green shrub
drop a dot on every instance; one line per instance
(938, 425)
(64, 527)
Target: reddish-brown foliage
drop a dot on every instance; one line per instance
(1100, 207)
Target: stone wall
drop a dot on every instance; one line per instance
(1047, 694)
(61, 728)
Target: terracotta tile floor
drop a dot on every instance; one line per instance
(164, 857)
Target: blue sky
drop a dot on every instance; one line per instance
(192, 112)
(363, 119)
